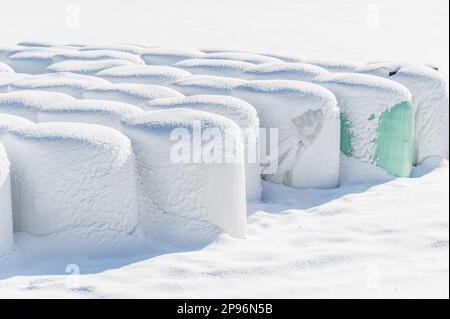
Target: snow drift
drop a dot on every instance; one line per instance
(64, 179)
(194, 192)
(306, 153)
(206, 84)
(430, 97)
(216, 67)
(6, 223)
(136, 94)
(377, 120)
(242, 113)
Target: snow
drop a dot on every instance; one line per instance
(429, 91)
(39, 44)
(307, 119)
(136, 94)
(6, 225)
(6, 79)
(64, 180)
(198, 190)
(149, 74)
(27, 103)
(240, 112)
(96, 55)
(11, 122)
(284, 71)
(240, 56)
(5, 51)
(86, 67)
(5, 68)
(108, 113)
(68, 83)
(127, 48)
(334, 65)
(218, 67)
(169, 56)
(206, 84)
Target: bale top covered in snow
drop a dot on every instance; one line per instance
(8, 122)
(243, 57)
(169, 56)
(284, 71)
(206, 84)
(86, 67)
(97, 55)
(214, 66)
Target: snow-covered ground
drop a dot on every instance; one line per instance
(383, 238)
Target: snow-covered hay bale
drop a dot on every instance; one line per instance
(127, 48)
(377, 120)
(96, 55)
(284, 71)
(430, 97)
(284, 56)
(243, 57)
(136, 94)
(68, 83)
(27, 104)
(334, 65)
(242, 113)
(86, 67)
(73, 179)
(6, 51)
(5, 68)
(6, 222)
(8, 122)
(169, 56)
(108, 113)
(6, 79)
(148, 74)
(306, 153)
(184, 180)
(206, 84)
(32, 61)
(228, 68)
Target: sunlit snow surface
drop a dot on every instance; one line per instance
(383, 238)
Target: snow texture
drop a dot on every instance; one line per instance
(96, 55)
(64, 179)
(201, 192)
(240, 112)
(86, 67)
(149, 74)
(68, 83)
(6, 224)
(7, 78)
(240, 56)
(6, 51)
(5, 68)
(334, 65)
(284, 71)
(27, 103)
(11, 122)
(136, 94)
(169, 56)
(206, 84)
(307, 119)
(127, 48)
(218, 67)
(108, 113)
(430, 97)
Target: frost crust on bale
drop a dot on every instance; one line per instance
(27, 103)
(102, 112)
(306, 151)
(430, 97)
(217, 67)
(73, 179)
(237, 110)
(136, 94)
(193, 193)
(148, 74)
(6, 223)
(206, 84)
(377, 120)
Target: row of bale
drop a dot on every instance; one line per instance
(88, 132)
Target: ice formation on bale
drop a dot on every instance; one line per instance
(68, 83)
(27, 104)
(6, 223)
(240, 56)
(33, 61)
(192, 190)
(148, 74)
(334, 65)
(169, 56)
(8, 122)
(73, 179)
(307, 119)
(206, 84)
(86, 67)
(284, 71)
(136, 94)
(377, 120)
(240, 112)
(97, 55)
(5, 68)
(430, 97)
(108, 113)
(228, 68)
(127, 48)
